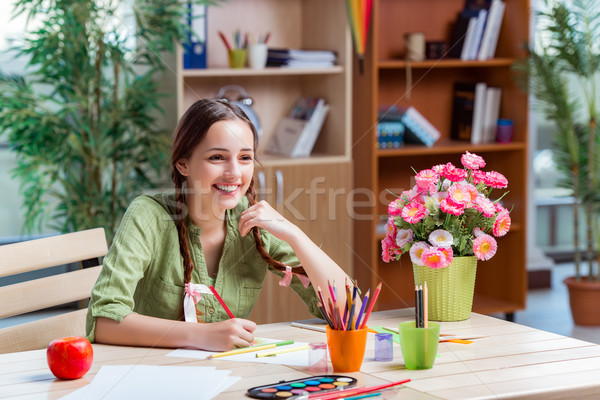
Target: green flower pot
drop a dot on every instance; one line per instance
(450, 289)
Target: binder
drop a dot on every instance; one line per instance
(194, 49)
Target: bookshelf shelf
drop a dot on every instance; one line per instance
(446, 146)
(501, 282)
(270, 71)
(427, 64)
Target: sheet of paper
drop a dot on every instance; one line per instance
(296, 358)
(116, 382)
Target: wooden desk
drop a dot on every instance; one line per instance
(515, 361)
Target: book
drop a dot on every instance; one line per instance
(464, 54)
(478, 113)
(458, 36)
(390, 134)
(492, 31)
(291, 63)
(194, 49)
(417, 129)
(463, 35)
(477, 35)
(492, 112)
(462, 110)
(304, 55)
(297, 132)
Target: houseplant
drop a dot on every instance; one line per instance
(82, 120)
(447, 222)
(562, 72)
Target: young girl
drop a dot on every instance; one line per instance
(206, 233)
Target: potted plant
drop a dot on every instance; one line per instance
(562, 72)
(83, 119)
(447, 222)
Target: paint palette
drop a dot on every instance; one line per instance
(312, 384)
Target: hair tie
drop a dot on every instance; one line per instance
(192, 296)
(287, 278)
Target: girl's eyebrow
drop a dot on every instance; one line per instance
(227, 150)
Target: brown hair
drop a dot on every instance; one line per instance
(191, 130)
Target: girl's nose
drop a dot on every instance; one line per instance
(233, 169)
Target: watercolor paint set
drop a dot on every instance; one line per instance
(312, 384)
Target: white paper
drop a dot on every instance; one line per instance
(296, 358)
(115, 382)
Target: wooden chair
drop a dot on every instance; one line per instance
(37, 294)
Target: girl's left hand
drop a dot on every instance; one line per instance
(264, 216)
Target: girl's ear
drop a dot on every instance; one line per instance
(182, 167)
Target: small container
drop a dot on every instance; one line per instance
(237, 58)
(346, 349)
(317, 357)
(504, 131)
(384, 350)
(257, 55)
(419, 345)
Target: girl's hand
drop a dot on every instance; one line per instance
(264, 216)
(228, 334)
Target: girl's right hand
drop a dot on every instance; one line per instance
(228, 334)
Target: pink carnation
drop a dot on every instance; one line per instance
(454, 174)
(434, 258)
(485, 206)
(478, 177)
(484, 247)
(414, 212)
(427, 178)
(395, 207)
(449, 207)
(462, 193)
(502, 224)
(416, 251)
(390, 227)
(389, 250)
(404, 236)
(449, 254)
(496, 180)
(472, 161)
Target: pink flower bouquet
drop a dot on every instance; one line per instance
(447, 213)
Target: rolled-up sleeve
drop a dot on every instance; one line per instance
(124, 265)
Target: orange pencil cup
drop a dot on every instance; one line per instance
(346, 349)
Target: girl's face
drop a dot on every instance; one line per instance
(220, 169)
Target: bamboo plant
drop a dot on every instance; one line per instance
(83, 119)
(563, 75)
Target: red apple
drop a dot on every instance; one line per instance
(70, 357)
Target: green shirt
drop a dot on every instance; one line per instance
(143, 270)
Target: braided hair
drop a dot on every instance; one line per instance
(191, 130)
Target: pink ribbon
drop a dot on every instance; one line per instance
(287, 278)
(192, 296)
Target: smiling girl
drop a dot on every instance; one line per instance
(210, 232)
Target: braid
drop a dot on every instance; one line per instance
(188, 264)
(251, 196)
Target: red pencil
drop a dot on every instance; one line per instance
(371, 304)
(212, 289)
(225, 41)
(350, 392)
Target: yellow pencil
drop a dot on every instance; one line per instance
(274, 353)
(250, 349)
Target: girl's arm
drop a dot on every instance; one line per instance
(141, 330)
(318, 265)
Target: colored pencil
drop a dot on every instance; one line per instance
(220, 300)
(225, 41)
(363, 396)
(373, 300)
(356, 391)
(362, 309)
(290, 350)
(250, 349)
(425, 306)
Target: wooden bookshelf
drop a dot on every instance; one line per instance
(304, 190)
(501, 282)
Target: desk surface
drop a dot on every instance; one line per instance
(514, 361)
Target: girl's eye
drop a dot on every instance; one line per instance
(246, 158)
(216, 157)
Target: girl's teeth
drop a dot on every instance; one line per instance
(227, 188)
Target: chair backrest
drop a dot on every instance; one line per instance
(54, 290)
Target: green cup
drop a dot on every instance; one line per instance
(237, 58)
(419, 345)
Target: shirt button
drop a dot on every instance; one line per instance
(211, 310)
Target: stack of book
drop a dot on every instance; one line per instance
(475, 112)
(416, 128)
(390, 134)
(293, 58)
(477, 30)
(297, 132)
